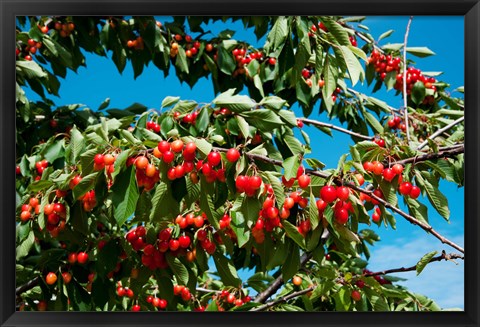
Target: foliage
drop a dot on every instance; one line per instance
(177, 220)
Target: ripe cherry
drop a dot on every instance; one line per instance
(184, 241)
(214, 158)
(177, 146)
(72, 258)
(397, 169)
(168, 156)
(376, 217)
(233, 155)
(343, 192)
(405, 188)
(141, 162)
(272, 61)
(304, 181)
(108, 159)
(51, 278)
(414, 192)
(163, 146)
(191, 147)
(377, 168)
(297, 280)
(328, 193)
(388, 174)
(82, 258)
(368, 166)
(67, 277)
(136, 308)
(174, 245)
(356, 296)
(99, 159)
(341, 216)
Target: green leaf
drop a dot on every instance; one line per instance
(263, 119)
(337, 30)
(226, 270)
(288, 116)
(279, 32)
(239, 226)
(355, 69)
(290, 268)
(377, 301)
(164, 205)
(437, 199)
(421, 52)
(385, 34)
(86, 184)
(373, 122)
(290, 166)
(424, 261)
(77, 143)
(313, 211)
(277, 187)
(178, 269)
(243, 125)
(24, 248)
(203, 146)
(225, 60)
(104, 104)
(181, 61)
(169, 101)
(236, 103)
(293, 144)
(418, 92)
(30, 69)
(293, 233)
(274, 103)
(107, 258)
(125, 195)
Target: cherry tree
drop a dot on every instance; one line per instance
(158, 209)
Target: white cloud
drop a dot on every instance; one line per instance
(442, 281)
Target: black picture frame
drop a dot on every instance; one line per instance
(470, 9)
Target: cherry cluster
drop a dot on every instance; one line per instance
(27, 50)
(153, 126)
(125, 291)
(396, 122)
(190, 118)
(205, 242)
(136, 43)
(226, 297)
(157, 302)
(191, 47)
(248, 184)
(56, 215)
(64, 29)
(342, 208)
(387, 63)
(136, 237)
(183, 292)
(80, 257)
(147, 174)
(29, 209)
(407, 189)
(40, 166)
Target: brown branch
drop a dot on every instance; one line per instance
(440, 131)
(337, 128)
(443, 256)
(283, 299)
(27, 286)
(405, 106)
(277, 283)
(442, 153)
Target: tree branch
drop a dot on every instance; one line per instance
(405, 107)
(277, 283)
(283, 299)
(27, 286)
(440, 131)
(442, 153)
(337, 128)
(440, 257)
(293, 295)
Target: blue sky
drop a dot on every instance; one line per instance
(403, 247)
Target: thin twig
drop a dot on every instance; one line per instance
(27, 286)
(442, 153)
(443, 256)
(440, 131)
(337, 128)
(206, 290)
(277, 283)
(405, 107)
(283, 299)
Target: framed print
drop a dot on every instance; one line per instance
(292, 163)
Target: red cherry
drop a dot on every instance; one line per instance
(233, 155)
(376, 217)
(136, 308)
(72, 258)
(214, 158)
(191, 147)
(51, 278)
(341, 215)
(163, 146)
(356, 296)
(414, 192)
(328, 193)
(168, 156)
(388, 174)
(272, 212)
(397, 169)
(368, 166)
(343, 192)
(174, 245)
(184, 241)
(177, 146)
(82, 258)
(255, 181)
(99, 159)
(141, 162)
(304, 181)
(378, 168)
(272, 61)
(162, 304)
(165, 234)
(405, 188)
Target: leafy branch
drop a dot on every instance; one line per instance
(337, 128)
